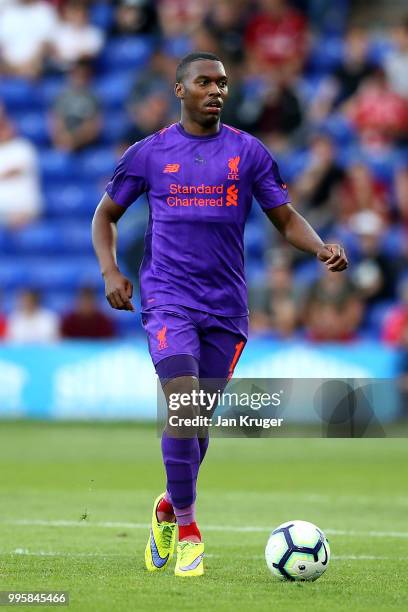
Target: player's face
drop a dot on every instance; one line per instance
(203, 91)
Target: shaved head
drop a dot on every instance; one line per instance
(182, 68)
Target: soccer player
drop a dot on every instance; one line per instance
(200, 177)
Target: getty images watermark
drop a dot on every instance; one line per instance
(286, 407)
(202, 402)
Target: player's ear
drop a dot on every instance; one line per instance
(179, 90)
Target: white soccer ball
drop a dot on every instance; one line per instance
(297, 550)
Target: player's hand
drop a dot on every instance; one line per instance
(333, 256)
(118, 291)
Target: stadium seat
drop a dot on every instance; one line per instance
(375, 317)
(72, 199)
(44, 273)
(97, 163)
(58, 301)
(50, 236)
(12, 273)
(255, 239)
(325, 55)
(339, 128)
(114, 88)
(32, 125)
(114, 127)
(101, 14)
(50, 88)
(126, 52)
(17, 93)
(57, 166)
(378, 49)
(291, 164)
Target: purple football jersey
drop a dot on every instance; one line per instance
(200, 191)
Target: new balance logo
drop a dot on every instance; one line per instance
(232, 196)
(233, 164)
(171, 168)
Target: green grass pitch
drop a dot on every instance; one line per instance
(75, 500)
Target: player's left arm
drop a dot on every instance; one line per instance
(299, 233)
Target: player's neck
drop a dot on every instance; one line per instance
(195, 129)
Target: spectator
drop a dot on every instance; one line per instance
(345, 80)
(395, 324)
(401, 194)
(226, 22)
(374, 273)
(75, 119)
(87, 320)
(148, 106)
(3, 326)
(379, 111)
(281, 113)
(148, 114)
(30, 322)
(317, 187)
(20, 196)
(277, 37)
(333, 310)
(75, 38)
(135, 17)
(396, 63)
(26, 29)
(361, 191)
(272, 304)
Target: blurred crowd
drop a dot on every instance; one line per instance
(325, 93)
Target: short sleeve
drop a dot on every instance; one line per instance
(129, 179)
(268, 187)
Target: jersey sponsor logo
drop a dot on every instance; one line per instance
(233, 164)
(201, 193)
(232, 195)
(171, 168)
(161, 337)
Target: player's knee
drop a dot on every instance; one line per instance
(182, 396)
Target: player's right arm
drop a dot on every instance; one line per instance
(118, 288)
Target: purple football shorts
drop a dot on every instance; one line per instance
(188, 342)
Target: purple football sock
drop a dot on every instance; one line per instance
(203, 444)
(181, 459)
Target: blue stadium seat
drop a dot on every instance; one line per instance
(127, 52)
(49, 89)
(114, 127)
(59, 301)
(325, 55)
(114, 88)
(97, 163)
(50, 236)
(375, 317)
(340, 129)
(57, 166)
(12, 273)
(41, 237)
(72, 199)
(378, 49)
(18, 93)
(292, 164)
(101, 14)
(255, 239)
(32, 125)
(44, 273)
